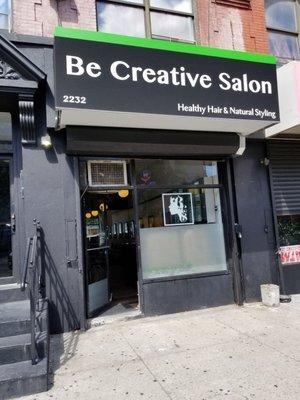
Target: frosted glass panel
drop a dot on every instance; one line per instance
(184, 249)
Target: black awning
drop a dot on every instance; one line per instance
(122, 142)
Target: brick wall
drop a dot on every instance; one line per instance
(232, 27)
(216, 25)
(39, 17)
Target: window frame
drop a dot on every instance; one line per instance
(147, 8)
(289, 32)
(8, 15)
(225, 216)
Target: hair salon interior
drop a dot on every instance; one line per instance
(149, 163)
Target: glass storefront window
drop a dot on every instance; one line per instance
(181, 232)
(289, 230)
(151, 173)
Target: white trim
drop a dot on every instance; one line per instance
(120, 119)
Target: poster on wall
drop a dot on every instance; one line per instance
(290, 254)
(178, 209)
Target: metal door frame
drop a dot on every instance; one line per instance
(10, 158)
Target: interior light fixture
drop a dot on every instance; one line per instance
(123, 193)
(88, 215)
(95, 213)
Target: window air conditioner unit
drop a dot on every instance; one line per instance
(103, 173)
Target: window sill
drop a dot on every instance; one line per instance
(184, 277)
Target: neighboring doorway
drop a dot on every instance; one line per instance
(110, 251)
(6, 262)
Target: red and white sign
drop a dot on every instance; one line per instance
(290, 254)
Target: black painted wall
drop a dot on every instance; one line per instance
(187, 294)
(254, 213)
(46, 189)
(50, 196)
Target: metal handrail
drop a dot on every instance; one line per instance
(25, 264)
(30, 268)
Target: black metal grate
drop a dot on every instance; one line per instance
(284, 159)
(107, 173)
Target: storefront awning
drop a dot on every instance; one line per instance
(126, 142)
(288, 77)
(118, 81)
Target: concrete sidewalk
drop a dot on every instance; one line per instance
(231, 352)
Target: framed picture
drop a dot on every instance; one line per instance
(178, 209)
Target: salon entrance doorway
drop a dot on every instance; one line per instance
(110, 252)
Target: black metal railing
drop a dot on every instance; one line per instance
(32, 278)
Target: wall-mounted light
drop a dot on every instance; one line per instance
(88, 215)
(95, 213)
(46, 141)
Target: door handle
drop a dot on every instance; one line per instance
(238, 230)
(13, 223)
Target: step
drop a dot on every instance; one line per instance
(7, 279)
(18, 348)
(23, 378)
(10, 292)
(14, 318)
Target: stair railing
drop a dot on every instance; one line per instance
(31, 268)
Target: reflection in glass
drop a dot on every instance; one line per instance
(176, 5)
(125, 20)
(284, 45)
(289, 230)
(5, 132)
(151, 173)
(281, 14)
(172, 26)
(5, 230)
(4, 6)
(4, 21)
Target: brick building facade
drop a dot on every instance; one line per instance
(217, 24)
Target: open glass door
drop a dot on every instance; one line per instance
(5, 219)
(97, 261)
